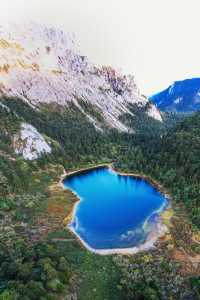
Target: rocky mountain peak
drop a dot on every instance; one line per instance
(43, 65)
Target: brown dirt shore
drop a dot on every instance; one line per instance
(82, 170)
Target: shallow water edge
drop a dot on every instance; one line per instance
(159, 231)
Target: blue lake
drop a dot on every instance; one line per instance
(114, 211)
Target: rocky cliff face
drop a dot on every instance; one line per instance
(43, 66)
(30, 143)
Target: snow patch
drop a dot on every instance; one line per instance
(171, 88)
(178, 100)
(30, 143)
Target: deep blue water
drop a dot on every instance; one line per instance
(115, 211)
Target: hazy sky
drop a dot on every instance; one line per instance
(158, 41)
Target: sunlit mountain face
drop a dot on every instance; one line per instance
(43, 65)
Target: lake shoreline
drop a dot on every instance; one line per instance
(161, 230)
(148, 179)
(158, 233)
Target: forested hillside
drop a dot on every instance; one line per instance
(173, 160)
(40, 259)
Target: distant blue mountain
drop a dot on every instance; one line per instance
(181, 96)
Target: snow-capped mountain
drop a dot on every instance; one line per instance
(43, 65)
(181, 96)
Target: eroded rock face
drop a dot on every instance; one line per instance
(154, 113)
(30, 143)
(43, 65)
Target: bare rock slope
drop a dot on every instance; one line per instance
(43, 66)
(30, 143)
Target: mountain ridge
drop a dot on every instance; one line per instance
(40, 259)
(43, 65)
(182, 96)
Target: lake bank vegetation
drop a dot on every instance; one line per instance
(40, 259)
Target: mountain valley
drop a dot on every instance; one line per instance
(60, 113)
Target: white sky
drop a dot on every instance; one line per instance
(158, 41)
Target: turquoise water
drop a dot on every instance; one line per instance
(114, 211)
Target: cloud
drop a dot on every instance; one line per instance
(157, 41)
